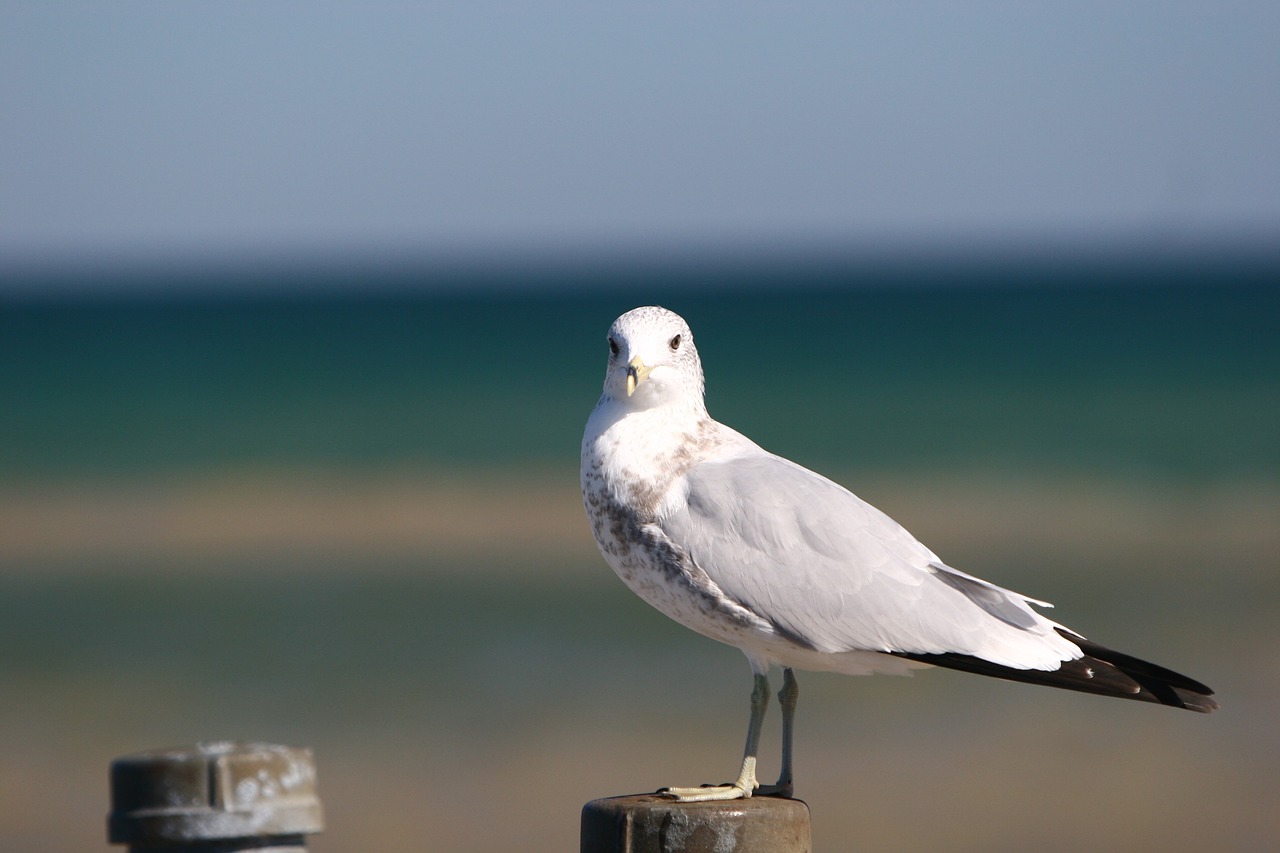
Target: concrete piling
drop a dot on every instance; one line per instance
(650, 823)
(215, 798)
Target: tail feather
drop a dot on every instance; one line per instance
(1101, 670)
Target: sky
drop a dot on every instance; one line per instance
(312, 130)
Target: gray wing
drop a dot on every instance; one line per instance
(833, 572)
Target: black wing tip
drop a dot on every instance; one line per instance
(1100, 671)
(1157, 682)
(1198, 702)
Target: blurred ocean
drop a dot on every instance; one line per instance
(1160, 373)
(350, 520)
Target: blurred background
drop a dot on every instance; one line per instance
(302, 311)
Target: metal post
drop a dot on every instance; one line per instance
(215, 798)
(649, 823)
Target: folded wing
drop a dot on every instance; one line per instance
(833, 572)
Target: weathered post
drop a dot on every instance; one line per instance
(649, 823)
(215, 798)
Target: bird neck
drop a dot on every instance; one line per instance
(642, 444)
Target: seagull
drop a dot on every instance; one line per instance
(755, 551)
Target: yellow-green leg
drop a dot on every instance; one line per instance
(788, 697)
(746, 784)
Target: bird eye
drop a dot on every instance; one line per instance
(613, 347)
(674, 343)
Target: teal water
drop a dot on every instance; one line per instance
(1153, 372)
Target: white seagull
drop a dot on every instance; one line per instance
(758, 552)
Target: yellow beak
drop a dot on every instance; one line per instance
(637, 372)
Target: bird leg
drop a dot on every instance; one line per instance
(746, 784)
(788, 697)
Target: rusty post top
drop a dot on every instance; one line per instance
(648, 823)
(213, 792)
